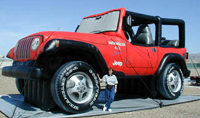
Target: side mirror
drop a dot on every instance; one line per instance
(127, 22)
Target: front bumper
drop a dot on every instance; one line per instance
(22, 72)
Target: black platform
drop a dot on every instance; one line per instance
(122, 103)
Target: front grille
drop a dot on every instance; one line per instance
(23, 48)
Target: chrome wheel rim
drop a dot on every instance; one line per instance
(79, 87)
(174, 81)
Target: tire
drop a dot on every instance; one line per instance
(171, 81)
(75, 87)
(20, 85)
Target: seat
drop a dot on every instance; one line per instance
(173, 43)
(143, 35)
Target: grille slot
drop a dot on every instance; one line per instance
(23, 48)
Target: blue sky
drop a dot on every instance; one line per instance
(19, 18)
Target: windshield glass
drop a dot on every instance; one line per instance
(101, 23)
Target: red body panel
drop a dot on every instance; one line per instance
(117, 51)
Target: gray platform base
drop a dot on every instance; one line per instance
(123, 103)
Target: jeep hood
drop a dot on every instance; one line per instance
(83, 37)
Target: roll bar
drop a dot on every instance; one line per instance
(138, 19)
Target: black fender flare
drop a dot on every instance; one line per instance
(175, 58)
(54, 45)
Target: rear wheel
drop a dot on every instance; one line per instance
(171, 81)
(75, 87)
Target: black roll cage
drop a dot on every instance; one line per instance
(138, 19)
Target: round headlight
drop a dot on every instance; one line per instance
(35, 43)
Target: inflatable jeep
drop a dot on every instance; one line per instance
(59, 68)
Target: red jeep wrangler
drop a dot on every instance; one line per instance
(60, 68)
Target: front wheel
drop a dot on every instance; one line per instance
(171, 81)
(75, 87)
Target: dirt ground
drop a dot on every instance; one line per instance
(194, 72)
(185, 110)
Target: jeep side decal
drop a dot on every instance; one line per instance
(116, 43)
(117, 63)
(117, 52)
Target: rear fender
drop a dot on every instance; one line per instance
(173, 58)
